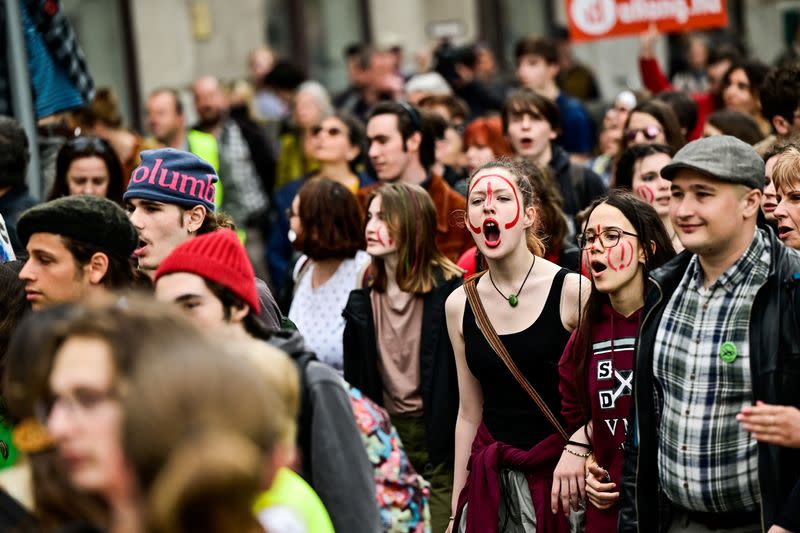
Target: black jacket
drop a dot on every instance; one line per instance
(775, 372)
(579, 186)
(437, 364)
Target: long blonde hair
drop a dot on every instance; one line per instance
(411, 219)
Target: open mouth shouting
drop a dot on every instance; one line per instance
(598, 267)
(784, 232)
(491, 233)
(526, 142)
(140, 249)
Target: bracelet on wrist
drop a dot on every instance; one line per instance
(576, 454)
(580, 444)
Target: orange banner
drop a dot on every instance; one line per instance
(590, 20)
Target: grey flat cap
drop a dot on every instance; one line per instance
(722, 157)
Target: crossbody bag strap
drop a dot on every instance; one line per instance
(470, 287)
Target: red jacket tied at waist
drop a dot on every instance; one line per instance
(488, 458)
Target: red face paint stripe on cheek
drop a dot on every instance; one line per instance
(608, 260)
(587, 264)
(646, 193)
(630, 260)
(378, 237)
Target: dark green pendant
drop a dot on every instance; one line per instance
(512, 300)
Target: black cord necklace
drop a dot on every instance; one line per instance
(513, 299)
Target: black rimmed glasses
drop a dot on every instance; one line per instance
(609, 238)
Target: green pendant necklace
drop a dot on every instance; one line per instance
(513, 299)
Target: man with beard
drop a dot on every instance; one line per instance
(244, 159)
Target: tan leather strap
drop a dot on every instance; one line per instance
(470, 287)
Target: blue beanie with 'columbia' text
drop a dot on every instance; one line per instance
(173, 177)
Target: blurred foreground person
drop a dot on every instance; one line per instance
(212, 280)
(202, 468)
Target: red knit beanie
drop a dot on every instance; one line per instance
(219, 257)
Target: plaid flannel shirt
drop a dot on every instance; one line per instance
(244, 197)
(706, 461)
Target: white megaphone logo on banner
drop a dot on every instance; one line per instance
(594, 17)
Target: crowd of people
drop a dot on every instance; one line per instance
(431, 303)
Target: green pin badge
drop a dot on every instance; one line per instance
(727, 352)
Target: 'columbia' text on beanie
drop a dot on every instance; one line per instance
(173, 177)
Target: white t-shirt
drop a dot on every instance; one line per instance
(317, 313)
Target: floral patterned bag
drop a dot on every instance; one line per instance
(402, 494)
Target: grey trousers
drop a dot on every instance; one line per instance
(681, 523)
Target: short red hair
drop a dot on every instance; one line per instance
(488, 132)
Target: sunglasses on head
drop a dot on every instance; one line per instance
(84, 143)
(332, 132)
(650, 133)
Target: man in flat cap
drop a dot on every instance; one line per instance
(720, 333)
(75, 244)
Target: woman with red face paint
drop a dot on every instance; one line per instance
(558, 248)
(639, 171)
(395, 345)
(622, 241)
(531, 305)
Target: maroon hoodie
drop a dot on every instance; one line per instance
(610, 386)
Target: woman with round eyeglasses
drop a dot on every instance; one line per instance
(88, 165)
(652, 122)
(622, 241)
(338, 144)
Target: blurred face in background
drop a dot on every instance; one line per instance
(478, 155)
(330, 142)
(84, 416)
(307, 111)
(163, 119)
(209, 100)
(88, 175)
(644, 128)
(770, 200)
(738, 93)
(648, 184)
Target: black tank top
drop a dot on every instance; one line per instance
(510, 415)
